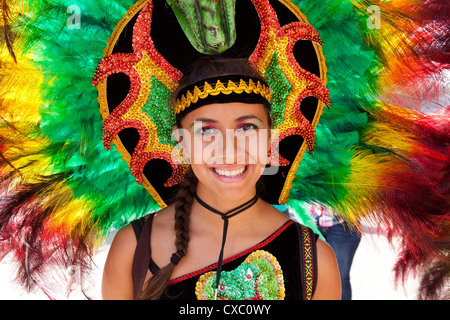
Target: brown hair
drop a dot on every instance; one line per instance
(201, 69)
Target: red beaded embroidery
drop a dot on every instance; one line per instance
(281, 40)
(129, 113)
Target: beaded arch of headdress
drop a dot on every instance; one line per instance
(153, 79)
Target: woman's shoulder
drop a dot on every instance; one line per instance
(328, 282)
(124, 243)
(117, 282)
(126, 237)
(123, 247)
(164, 216)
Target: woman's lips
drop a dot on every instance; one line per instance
(229, 173)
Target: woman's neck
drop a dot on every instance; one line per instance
(224, 203)
(214, 221)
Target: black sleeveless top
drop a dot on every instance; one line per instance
(281, 267)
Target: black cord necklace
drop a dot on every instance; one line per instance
(225, 216)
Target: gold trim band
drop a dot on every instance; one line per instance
(207, 89)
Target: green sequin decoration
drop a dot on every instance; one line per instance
(266, 282)
(281, 87)
(235, 285)
(158, 111)
(250, 281)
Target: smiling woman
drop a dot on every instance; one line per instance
(209, 230)
(227, 243)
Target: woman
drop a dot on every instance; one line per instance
(186, 237)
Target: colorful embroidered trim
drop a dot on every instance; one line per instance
(308, 264)
(152, 79)
(274, 59)
(237, 256)
(259, 277)
(217, 87)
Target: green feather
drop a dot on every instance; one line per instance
(70, 114)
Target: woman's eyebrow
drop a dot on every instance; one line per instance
(203, 120)
(242, 118)
(247, 117)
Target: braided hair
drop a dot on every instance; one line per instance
(157, 285)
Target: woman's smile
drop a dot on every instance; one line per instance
(230, 173)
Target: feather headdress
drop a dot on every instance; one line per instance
(61, 192)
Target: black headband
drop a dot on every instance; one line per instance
(223, 89)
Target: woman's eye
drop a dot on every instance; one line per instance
(205, 131)
(247, 127)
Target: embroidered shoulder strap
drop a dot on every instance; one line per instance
(308, 258)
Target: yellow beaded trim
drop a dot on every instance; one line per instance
(277, 46)
(102, 90)
(219, 88)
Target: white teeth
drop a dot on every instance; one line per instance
(226, 173)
